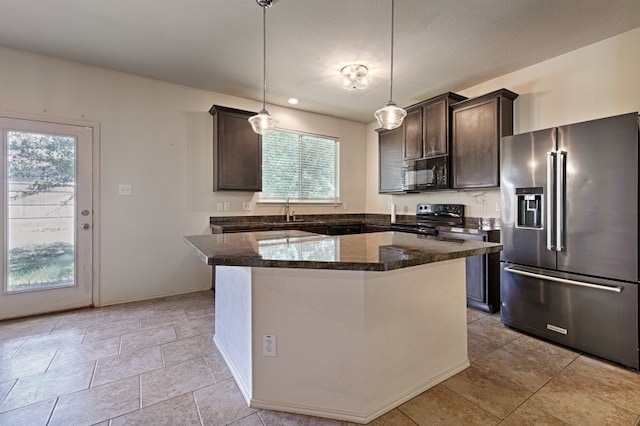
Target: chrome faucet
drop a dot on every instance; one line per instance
(286, 210)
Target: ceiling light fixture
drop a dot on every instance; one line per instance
(354, 76)
(263, 123)
(390, 116)
(293, 101)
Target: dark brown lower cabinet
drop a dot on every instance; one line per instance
(316, 229)
(482, 273)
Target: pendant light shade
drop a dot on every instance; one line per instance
(263, 123)
(390, 116)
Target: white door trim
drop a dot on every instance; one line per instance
(95, 126)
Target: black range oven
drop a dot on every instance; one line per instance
(430, 216)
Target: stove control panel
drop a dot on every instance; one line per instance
(456, 210)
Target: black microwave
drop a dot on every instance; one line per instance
(426, 174)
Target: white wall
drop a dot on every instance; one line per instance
(158, 138)
(597, 81)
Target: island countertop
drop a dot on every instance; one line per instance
(378, 251)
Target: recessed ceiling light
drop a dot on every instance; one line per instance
(293, 101)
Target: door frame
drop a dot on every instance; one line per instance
(95, 132)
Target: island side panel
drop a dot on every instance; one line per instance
(353, 345)
(416, 330)
(233, 323)
(318, 317)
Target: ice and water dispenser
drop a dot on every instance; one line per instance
(530, 207)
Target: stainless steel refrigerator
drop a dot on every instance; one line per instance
(569, 268)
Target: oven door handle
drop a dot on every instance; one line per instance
(613, 289)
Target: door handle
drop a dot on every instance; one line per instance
(550, 190)
(86, 226)
(563, 280)
(560, 179)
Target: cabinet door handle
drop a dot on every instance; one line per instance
(615, 289)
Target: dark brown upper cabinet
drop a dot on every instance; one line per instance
(237, 151)
(412, 146)
(390, 149)
(478, 125)
(427, 127)
(436, 116)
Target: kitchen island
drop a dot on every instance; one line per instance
(359, 324)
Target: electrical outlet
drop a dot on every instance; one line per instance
(219, 206)
(246, 205)
(497, 206)
(269, 345)
(345, 205)
(227, 205)
(124, 189)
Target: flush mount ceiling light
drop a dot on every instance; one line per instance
(263, 123)
(390, 116)
(354, 76)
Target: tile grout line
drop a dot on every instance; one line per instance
(8, 392)
(164, 365)
(93, 374)
(84, 336)
(582, 354)
(405, 414)
(52, 359)
(140, 389)
(52, 411)
(195, 400)
(474, 404)
(539, 389)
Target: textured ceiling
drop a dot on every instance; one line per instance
(440, 45)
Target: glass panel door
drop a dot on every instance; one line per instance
(40, 213)
(46, 217)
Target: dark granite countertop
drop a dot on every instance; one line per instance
(378, 251)
(261, 223)
(276, 222)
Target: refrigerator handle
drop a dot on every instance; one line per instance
(550, 192)
(513, 270)
(561, 157)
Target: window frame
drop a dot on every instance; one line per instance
(335, 201)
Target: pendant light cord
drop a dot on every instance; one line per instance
(391, 82)
(264, 55)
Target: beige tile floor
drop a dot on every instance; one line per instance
(154, 363)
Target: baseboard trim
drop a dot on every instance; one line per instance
(356, 417)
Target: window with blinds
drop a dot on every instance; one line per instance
(300, 167)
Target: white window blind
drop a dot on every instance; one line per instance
(299, 166)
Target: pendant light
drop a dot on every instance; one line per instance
(390, 116)
(263, 123)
